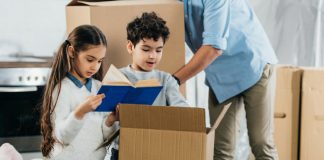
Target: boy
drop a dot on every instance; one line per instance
(146, 37)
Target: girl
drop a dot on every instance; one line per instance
(69, 129)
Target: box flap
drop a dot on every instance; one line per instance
(220, 117)
(162, 117)
(123, 2)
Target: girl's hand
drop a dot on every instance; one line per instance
(89, 105)
(112, 118)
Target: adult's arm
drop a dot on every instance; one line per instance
(216, 24)
(205, 55)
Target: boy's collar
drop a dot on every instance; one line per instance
(78, 83)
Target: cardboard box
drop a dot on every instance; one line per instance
(112, 18)
(166, 133)
(287, 110)
(312, 117)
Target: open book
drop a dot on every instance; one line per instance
(118, 89)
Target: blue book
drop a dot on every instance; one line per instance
(118, 89)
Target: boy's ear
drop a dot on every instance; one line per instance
(129, 47)
(70, 51)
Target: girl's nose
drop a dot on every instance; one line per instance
(95, 66)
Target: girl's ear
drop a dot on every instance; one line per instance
(70, 51)
(130, 47)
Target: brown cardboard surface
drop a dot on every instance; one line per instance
(312, 117)
(287, 109)
(162, 118)
(151, 144)
(210, 145)
(124, 3)
(161, 132)
(112, 17)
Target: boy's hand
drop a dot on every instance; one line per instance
(89, 105)
(113, 117)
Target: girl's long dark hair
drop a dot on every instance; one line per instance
(81, 38)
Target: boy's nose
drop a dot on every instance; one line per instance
(152, 55)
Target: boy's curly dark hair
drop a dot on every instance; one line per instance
(149, 25)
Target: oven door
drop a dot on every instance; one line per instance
(20, 117)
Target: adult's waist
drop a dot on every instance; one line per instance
(228, 79)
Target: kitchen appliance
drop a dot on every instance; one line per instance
(22, 85)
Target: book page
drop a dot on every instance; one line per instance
(147, 83)
(115, 77)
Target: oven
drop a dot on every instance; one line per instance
(21, 91)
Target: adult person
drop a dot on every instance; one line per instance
(230, 45)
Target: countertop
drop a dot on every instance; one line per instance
(32, 156)
(25, 62)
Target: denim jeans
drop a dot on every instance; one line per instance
(114, 154)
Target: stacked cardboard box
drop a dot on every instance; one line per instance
(287, 110)
(312, 115)
(299, 108)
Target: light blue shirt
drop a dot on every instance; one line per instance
(232, 26)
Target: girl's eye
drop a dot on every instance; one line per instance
(100, 61)
(145, 50)
(90, 60)
(158, 51)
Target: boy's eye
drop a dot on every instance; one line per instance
(159, 51)
(100, 61)
(146, 50)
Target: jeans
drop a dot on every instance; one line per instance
(114, 154)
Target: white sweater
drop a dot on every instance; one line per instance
(80, 138)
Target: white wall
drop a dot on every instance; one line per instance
(33, 27)
(295, 29)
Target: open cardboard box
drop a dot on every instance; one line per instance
(165, 133)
